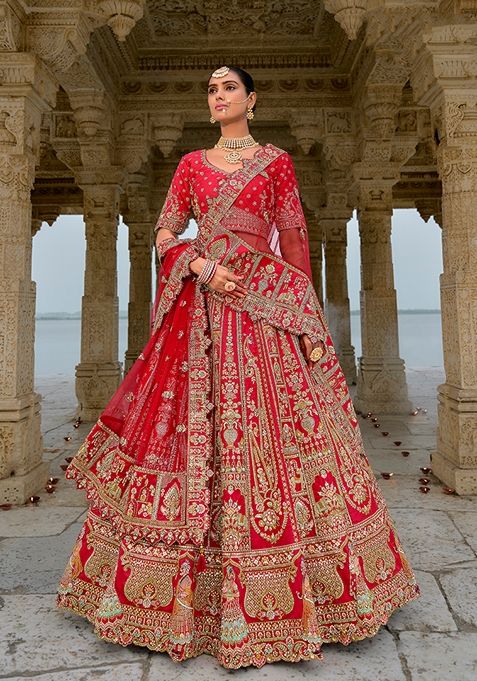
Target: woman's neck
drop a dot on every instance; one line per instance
(234, 129)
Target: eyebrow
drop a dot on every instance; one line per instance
(225, 83)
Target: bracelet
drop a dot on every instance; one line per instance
(207, 271)
(210, 273)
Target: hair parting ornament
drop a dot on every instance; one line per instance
(220, 72)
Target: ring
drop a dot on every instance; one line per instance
(230, 285)
(316, 354)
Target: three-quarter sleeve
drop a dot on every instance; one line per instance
(289, 217)
(177, 206)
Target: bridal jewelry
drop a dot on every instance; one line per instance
(235, 144)
(230, 286)
(222, 71)
(207, 272)
(316, 354)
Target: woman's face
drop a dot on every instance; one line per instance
(228, 99)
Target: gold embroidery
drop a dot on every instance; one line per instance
(101, 563)
(146, 585)
(378, 559)
(234, 629)
(268, 594)
(233, 525)
(182, 620)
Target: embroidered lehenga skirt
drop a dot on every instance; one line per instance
(232, 507)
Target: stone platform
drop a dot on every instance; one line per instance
(433, 639)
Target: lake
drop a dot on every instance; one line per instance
(58, 342)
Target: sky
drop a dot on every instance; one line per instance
(59, 251)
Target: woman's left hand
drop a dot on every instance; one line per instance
(307, 347)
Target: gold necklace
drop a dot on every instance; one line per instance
(235, 144)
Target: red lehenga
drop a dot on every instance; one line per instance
(232, 508)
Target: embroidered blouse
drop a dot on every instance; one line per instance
(270, 200)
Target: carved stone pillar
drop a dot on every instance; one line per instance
(382, 384)
(99, 371)
(27, 90)
(140, 288)
(442, 82)
(455, 461)
(315, 239)
(337, 307)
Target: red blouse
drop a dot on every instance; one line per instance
(270, 200)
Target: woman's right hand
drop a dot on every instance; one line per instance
(220, 278)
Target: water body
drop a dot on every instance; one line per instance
(58, 342)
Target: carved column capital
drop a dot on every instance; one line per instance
(12, 26)
(430, 208)
(26, 87)
(59, 43)
(122, 15)
(90, 111)
(100, 200)
(381, 104)
(334, 230)
(134, 144)
(374, 187)
(165, 130)
(307, 127)
(350, 14)
(457, 167)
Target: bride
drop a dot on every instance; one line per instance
(232, 508)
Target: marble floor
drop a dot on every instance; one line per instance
(432, 639)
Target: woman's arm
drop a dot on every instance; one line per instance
(173, 221)
(175, 213)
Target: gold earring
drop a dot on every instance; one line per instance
(250, 114)
(212, 120)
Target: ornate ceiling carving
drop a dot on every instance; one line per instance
(332, 78)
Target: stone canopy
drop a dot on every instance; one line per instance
(376, 100)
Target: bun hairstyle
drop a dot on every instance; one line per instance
(246, 80)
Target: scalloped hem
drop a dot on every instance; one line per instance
(121, 634)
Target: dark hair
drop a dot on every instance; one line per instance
(246, 80)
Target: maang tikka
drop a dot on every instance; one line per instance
(221, 72)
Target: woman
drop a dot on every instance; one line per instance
(233, 511)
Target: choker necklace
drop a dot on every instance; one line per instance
(235, 144)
